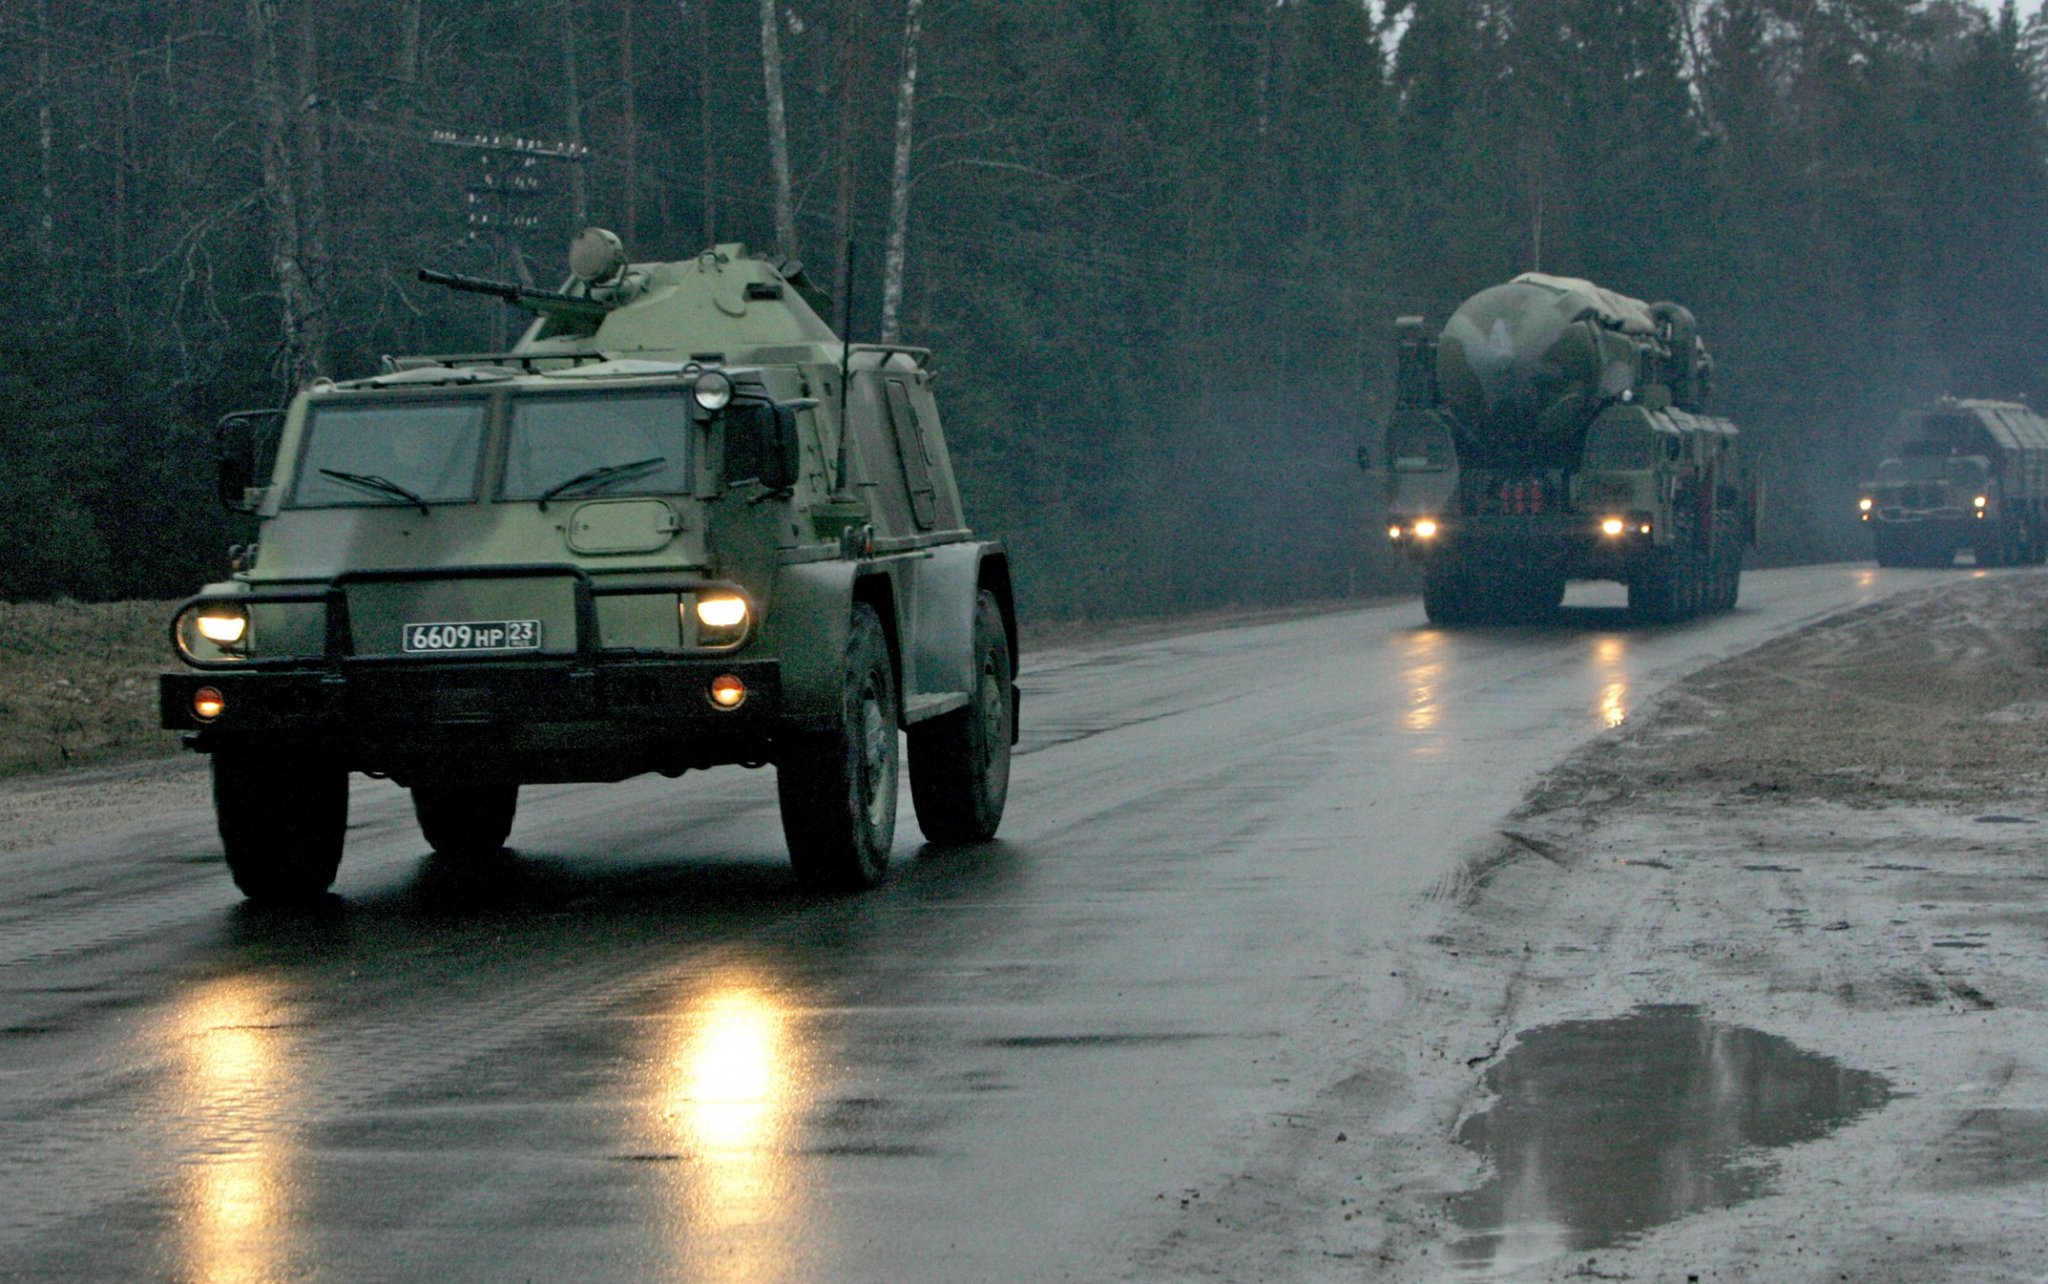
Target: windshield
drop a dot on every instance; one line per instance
(390, 454)
(608, 444)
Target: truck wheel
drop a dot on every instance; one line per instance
(1445, 594)
(960, 761)
(465, 822)
(282, 818)
(1653, 591)
(837, 788)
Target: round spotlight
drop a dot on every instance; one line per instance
(1866, 504)
(713, 391)
(1393, 532)
(208, 703)
(1980, 501)
(728, 692)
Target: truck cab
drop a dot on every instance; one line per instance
(681, 524)
(1958, 475)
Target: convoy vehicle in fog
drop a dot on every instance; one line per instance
(680, 524)
(1961, 475)
(1554, 430)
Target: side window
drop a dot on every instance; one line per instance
(916, 459)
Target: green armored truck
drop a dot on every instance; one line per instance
(680, 524)
(1555, 431)
(1957, 475)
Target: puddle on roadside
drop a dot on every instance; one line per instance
(1601, 1129)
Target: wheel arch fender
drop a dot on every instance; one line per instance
(806, 633)
(947, 587)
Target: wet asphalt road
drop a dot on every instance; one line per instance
(640, 1054)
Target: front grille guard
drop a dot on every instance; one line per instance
(340, 648)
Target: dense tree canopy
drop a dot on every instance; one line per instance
(1155, 243)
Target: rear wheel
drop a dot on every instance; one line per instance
(960, 761)
(282, 819)
(466, 822)
(837, 788)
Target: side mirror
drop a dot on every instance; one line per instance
(761, 444)
(240, 441)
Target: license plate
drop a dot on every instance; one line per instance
(476, 635)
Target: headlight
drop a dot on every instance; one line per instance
(722, 619)
(222, 627)
(1980, 501)
(1865, 505)
(1613, 526)
(209, 632)
(1393, 532)
(1425, 529)
(712, 391)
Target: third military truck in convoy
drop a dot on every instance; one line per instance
(1961, 475)
(1552, 431)
(680, 524)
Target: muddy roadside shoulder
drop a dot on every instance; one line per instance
(1819, 869)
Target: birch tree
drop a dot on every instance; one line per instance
(896, 255)
(305, 324)
(778, 127)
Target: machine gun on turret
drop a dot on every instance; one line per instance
(547, 303)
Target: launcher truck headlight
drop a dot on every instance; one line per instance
(1425, 528)
(1612, 527)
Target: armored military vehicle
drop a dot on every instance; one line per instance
(1961, 475)
(680, 524)
(1554, 431)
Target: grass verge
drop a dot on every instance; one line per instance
(78, 683)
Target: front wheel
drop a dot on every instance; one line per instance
(466, 822)
(282, 818)
(960, 761)
(837, 788)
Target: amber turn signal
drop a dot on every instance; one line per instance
(728, 692)
(208, 704)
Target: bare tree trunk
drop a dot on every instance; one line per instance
(894, 259)
(310, 173)
(704, 121)
(778, 127)
(572, 110)
(303, 341)
(408, 50)
(45, 221)
(631, 124)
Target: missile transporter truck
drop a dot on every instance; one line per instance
(1557, 431)
(1961, 474)
(680, 524)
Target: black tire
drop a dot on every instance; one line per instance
(1450, 598)
(837, 789)
(1654, 590)
(282, 819)
(466, 822)
(960, 761)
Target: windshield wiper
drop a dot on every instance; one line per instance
(602, 475)
(382, 485)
